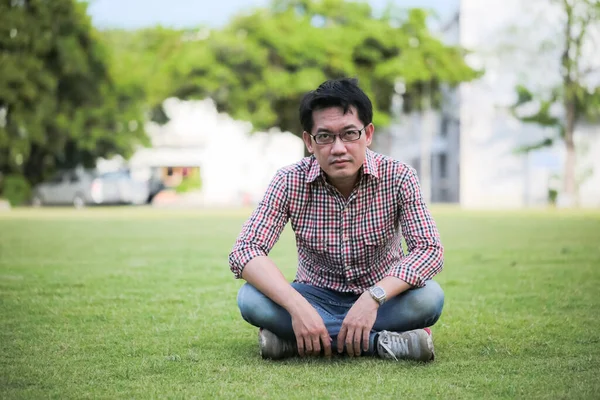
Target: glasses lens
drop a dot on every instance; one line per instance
(350, 136)
(324, 138)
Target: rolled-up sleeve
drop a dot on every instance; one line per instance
(425, 256)
(262, 230)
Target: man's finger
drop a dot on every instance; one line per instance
(341, 339)
(366, 337)
(326, 344)
(350, 342)
(357, 341)
(300, 343)
(316, 345)
(308, 345)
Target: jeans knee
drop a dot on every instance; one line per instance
(246, 299)
(256, 308)
(428, 302)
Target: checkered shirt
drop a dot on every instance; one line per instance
(346, 245)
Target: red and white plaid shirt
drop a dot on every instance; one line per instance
(346, 245)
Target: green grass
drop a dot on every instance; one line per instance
(140, 303)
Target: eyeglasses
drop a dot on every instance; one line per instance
(346, 136)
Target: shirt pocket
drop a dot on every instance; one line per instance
(374, 247)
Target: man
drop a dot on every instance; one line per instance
(355, 290)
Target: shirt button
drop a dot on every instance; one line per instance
(345, 238)
(347, 267)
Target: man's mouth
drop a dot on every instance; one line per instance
(338, 162)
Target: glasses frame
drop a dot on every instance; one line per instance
(339, 135)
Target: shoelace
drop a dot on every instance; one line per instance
(388, 342)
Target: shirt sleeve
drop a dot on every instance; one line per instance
(262, 230)
(425, 256)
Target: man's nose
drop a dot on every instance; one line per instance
(338, 146)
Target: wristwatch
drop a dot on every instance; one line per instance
(378, 294)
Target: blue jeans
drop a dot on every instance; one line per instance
(413, 309)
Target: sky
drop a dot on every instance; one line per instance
(132, 14)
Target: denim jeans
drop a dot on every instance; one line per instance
(413, 309)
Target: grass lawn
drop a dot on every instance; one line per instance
(140, 303)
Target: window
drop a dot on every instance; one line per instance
(445, 126)
(443, 165)
(415, 163)
(58, 178)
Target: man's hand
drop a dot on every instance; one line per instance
(357, 325)
(310, 332)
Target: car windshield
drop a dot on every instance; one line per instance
(114, 175)
(58, 177)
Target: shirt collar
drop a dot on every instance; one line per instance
(369, 167)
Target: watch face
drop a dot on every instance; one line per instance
(379, 292)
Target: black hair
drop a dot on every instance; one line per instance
(343, 93)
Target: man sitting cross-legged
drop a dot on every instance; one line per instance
(355, 290)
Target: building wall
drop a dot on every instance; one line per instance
(402, 141)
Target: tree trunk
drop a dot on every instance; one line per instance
(33, 170)
(569, 181)
(569, 86)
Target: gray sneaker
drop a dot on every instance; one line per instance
(273, 347)
(411, 345)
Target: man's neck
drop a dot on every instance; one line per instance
(345, 185)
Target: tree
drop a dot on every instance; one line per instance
(576, 94)
(145, 63)
(258, 67)
(60, 104)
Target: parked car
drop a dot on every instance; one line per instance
(155, 184)
(81, 187)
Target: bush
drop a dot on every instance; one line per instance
(15, 189)
(190, 182)
(552, 196)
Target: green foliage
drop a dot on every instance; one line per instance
(70, 94)
(15, 189)
(191, 182)
(60, 104)
(144, 62)
(587, 106)
(546, 142)
(259, 66)
(541, 116)
(552, 197)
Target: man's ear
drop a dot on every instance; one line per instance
(308, 141)
(369, 130)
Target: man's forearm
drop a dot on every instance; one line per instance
(393, 286)
(262, 273)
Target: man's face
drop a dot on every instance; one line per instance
(340, 160)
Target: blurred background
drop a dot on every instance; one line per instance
(187, 103)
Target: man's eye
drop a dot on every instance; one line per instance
(324, 136)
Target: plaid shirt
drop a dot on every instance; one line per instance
(346, 245)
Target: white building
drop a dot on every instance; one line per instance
(471, 143)
(235, 164)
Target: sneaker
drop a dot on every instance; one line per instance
(411, 345)
(273, 347)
